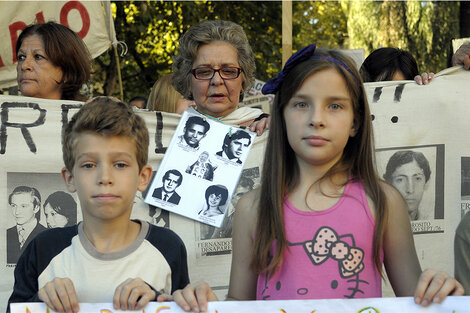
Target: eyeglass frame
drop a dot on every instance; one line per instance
(239, 71)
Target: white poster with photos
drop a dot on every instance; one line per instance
(200, 169)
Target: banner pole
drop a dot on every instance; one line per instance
(286, 30)
(119, 72)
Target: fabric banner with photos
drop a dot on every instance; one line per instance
(91, 20)
(427, 119)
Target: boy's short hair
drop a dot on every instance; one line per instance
(108, 117)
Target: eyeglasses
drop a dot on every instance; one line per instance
(206, 73)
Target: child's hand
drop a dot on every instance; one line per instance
(193, 297)
(59, 295)
(259, 125)
(434, 286)
(133, 294)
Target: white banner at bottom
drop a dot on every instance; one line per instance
(370, 305)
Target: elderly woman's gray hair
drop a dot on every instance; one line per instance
(206, 32)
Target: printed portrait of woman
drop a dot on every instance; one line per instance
(60, 209)
(216, 198)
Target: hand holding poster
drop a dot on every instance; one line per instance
(200, 169)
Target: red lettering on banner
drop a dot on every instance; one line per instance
(1, 62)
(77, 5)
(14, 29)
(40, 18)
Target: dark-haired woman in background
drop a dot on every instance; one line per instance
(53, 62)
(389, 64)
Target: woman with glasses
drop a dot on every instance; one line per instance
(214, 67)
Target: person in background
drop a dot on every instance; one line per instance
(462, 56)
(165, 98)
(139, 102)
(386, 64)
(53, 62)
(60, 209)
(214, 66)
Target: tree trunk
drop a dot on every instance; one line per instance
(464, 19)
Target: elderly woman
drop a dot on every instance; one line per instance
(53, 62)
(214, 67)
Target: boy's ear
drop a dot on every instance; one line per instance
(144, 177)
(68, 179)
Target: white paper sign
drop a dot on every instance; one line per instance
(371, 305)
(200, 169)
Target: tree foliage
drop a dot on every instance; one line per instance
(425, 28)
(320, 22)
(151, 30)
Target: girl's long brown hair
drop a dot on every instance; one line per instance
(281, 171)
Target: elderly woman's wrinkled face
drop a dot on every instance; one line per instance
(36, 75)
(216, 97)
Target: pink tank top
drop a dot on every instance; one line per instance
(329, 255)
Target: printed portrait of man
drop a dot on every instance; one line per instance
(171, 180)
(235, 146)
(194, 131)
(25, 204)
(409, 172)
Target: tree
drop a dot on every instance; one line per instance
(151, 30)
(423, 28)
(320, 22)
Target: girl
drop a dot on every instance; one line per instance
(323, 223)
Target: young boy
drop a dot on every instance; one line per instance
(107, 257)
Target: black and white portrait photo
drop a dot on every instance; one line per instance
(36, 201)
(167, 192)
(417, 174)
(216, 198)
(203, 167)
(194, 131)
(25, 204)
(235, 146)
(60, 210)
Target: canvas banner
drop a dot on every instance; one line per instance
(430, 121)
(91, 20)
(372, 305)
